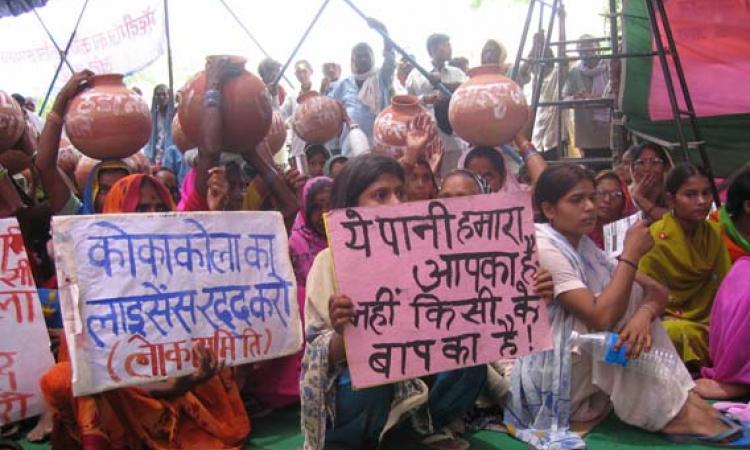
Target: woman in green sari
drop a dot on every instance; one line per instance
(690, 258)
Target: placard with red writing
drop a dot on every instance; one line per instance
(139, 292)
(438, 285)
(24, 347)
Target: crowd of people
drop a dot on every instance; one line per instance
(676, 286)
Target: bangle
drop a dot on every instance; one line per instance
(211, 97)
(628, 262)
(651, 309)
(529, 153)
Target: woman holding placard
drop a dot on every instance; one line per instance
(362, 417)
(554, 388)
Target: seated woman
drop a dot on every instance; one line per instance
(489, 163)
(612, 203)
(199, 411)
(306, 241)
(649, 164)
(333, 413)
(690, 259)
(734, 216)
(551, 389)
(729, 374)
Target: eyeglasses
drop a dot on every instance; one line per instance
(601, 195)
(655, 162)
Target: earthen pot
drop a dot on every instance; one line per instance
(318, 119)
(178, 136)
(389, 129)
(108, 120)
(83, 169)
(276, 136)
(12, 121)
(489, 109)
(245, 109)
(15, 161)
(138, 162)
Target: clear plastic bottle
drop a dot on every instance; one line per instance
(657, 362)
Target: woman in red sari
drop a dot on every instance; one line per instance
(199, 411)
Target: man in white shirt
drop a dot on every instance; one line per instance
(439, 49)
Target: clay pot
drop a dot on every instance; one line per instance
(276, 136)
(67, 160)
(15, 161)
(83, 169)
(389, 129)
(318, 119)
(138, 162)
(245, 109)
(12, 122)
(489, 109)
(178, 136)
(108, 120)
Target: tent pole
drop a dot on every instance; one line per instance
(252, 38)
(169, 51)
(299, 44)
(52, 39)
(64, 55)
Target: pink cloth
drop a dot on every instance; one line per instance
(190, 198)
(304, 245)
(729, 332)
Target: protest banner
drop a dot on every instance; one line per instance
(24, 348)
(438, 285)
(139, 292)
(114, 37)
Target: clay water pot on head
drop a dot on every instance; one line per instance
(178, 136)
(245, 109)
(15, 161)
(389, 129)
(12, 121)
(276, 136)
(83, 169)
(489, 109)
(108, 120)
(318, 118)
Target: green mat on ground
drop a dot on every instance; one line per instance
(280, 431)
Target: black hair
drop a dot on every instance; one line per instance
(680, 174)
(423, 162)
(480, 182)
(635, 152)
(266, 65)
(362, 46)
(608, 175)
(20, 99)
(435, 41)
(555, 182)
(441, 115)
(738, 193)
(495, 158)
(358, 175)
(317, 149)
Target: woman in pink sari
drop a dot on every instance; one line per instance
(729, 334)
(305, 242)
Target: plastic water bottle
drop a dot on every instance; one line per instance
(657, 363)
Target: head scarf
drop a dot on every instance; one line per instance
(126, 194)
(331, 161)
(92, 184)
(736, 243)
(305, 243)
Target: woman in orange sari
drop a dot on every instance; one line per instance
(199, 411)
